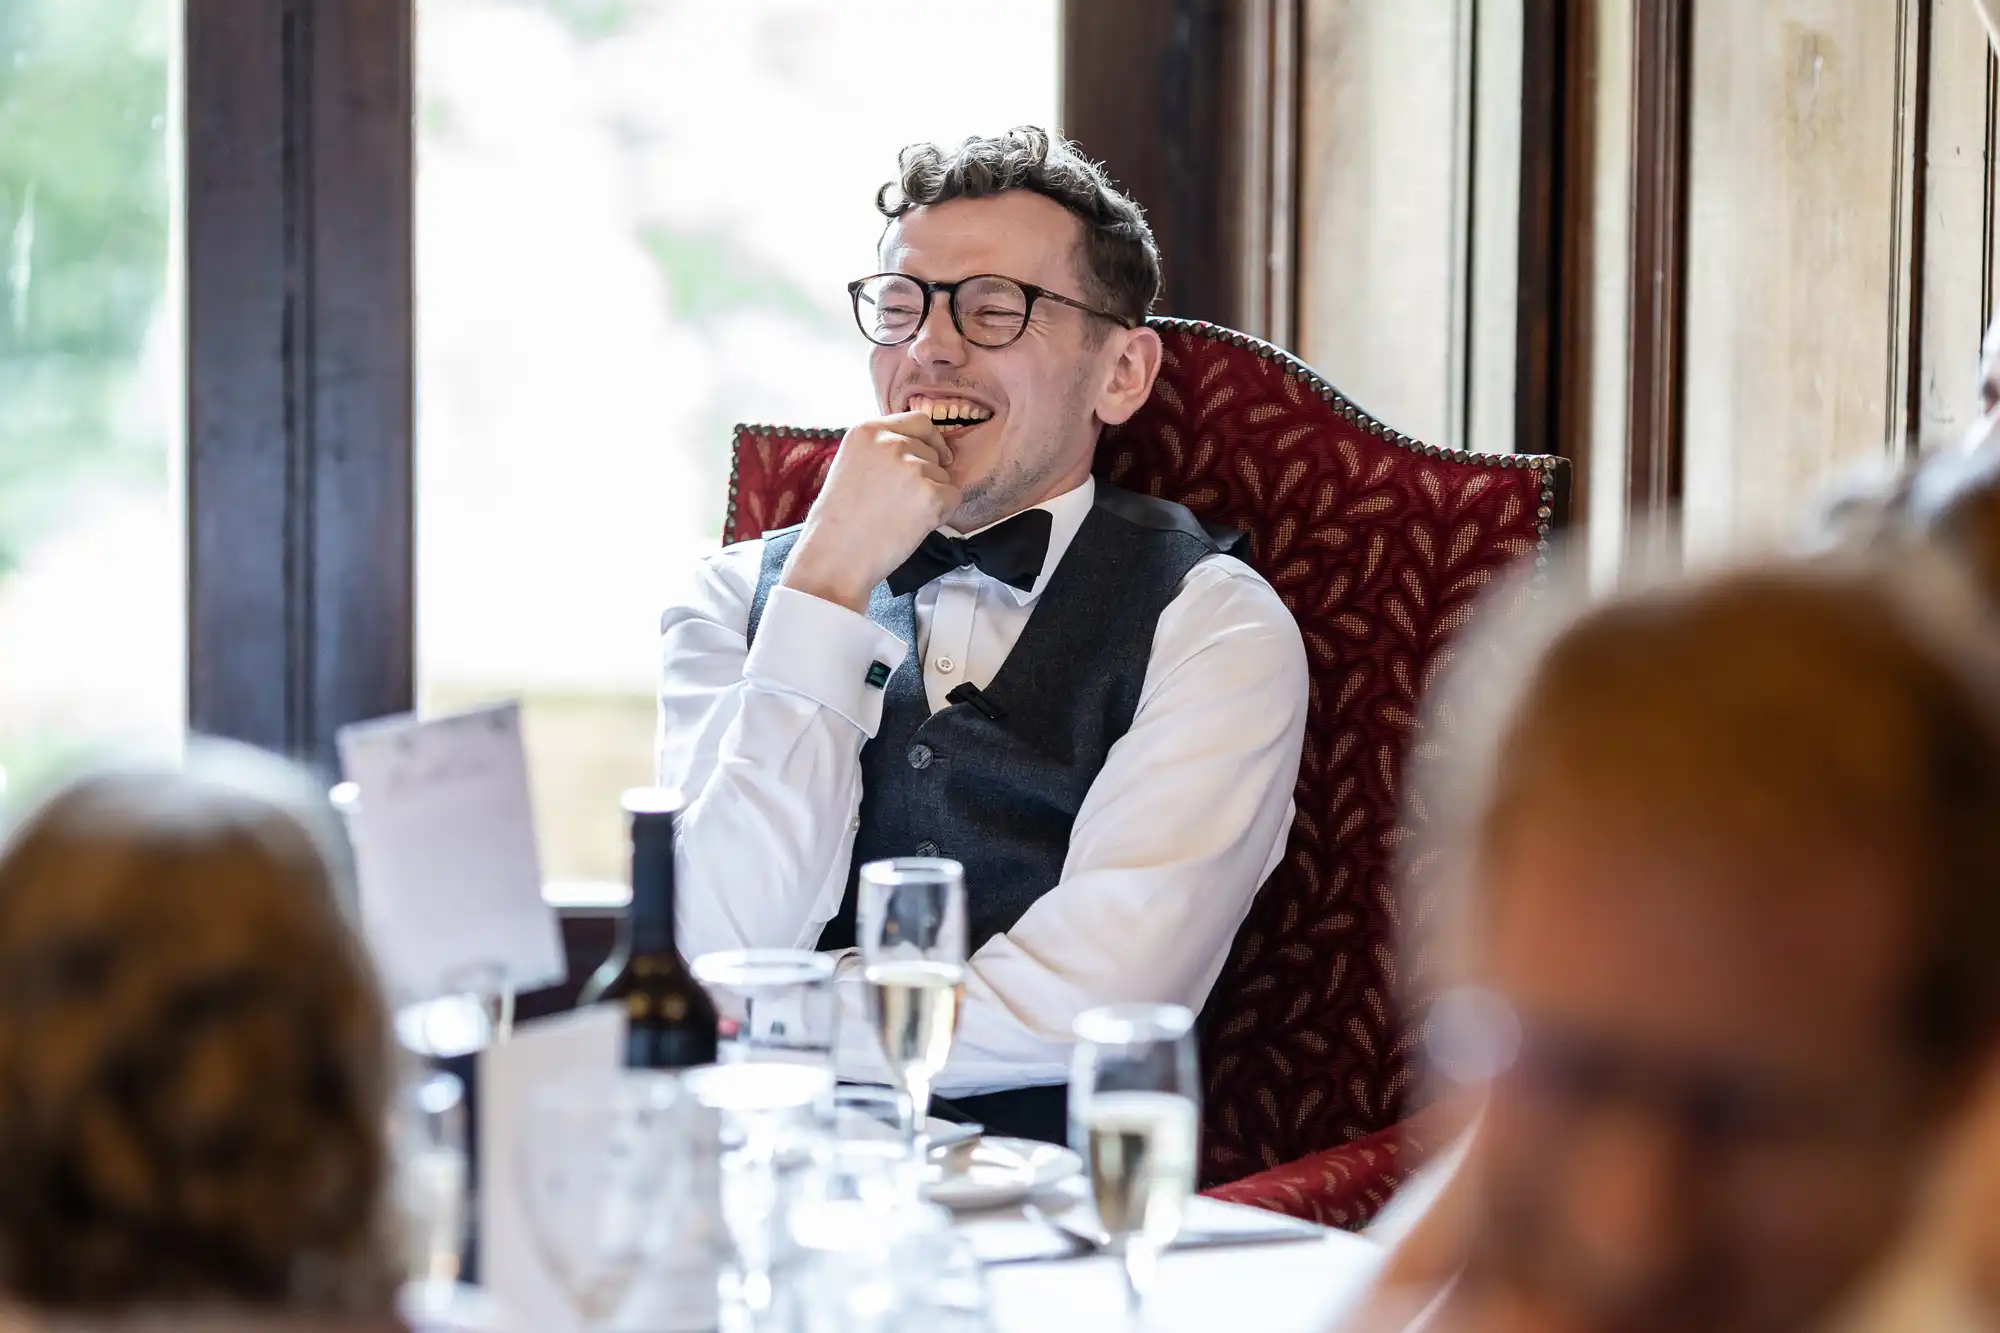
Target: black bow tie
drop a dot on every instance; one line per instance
(1011, 552)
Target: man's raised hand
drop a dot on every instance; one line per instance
(889, 486)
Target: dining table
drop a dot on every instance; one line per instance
(1291, 1286)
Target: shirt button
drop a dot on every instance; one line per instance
(927, 848)
(946, 665)
(920, 756)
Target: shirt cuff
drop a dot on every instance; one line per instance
(824, 652)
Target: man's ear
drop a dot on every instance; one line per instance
(1132, 375)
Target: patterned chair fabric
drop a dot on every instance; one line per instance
(1379, 545)
(1346, 1186)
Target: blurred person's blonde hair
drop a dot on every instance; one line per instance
(194, 1062)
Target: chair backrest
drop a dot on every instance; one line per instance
(1379, 545)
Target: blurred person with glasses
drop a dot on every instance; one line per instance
(973, 649)
(1725, 887)
(195, 1064)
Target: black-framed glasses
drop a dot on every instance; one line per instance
(987, 309)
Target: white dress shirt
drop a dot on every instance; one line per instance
(1187, 817)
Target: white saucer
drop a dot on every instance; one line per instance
(1004, 1171)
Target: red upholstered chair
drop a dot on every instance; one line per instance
(1378, 545)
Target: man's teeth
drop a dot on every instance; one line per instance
(953, 411)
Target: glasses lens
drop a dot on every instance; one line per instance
(889, 308)
(992, 311)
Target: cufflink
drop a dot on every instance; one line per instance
(878, 675)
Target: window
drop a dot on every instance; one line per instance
(90, 372)
(635, 222)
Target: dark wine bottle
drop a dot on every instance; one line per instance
(670, 1023)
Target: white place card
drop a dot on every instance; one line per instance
(583, 1043)
(444, 846)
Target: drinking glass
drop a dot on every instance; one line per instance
(472, 1011)
(428, 1137)
(772, 1126)
(1135, 1116)
(777, 1005)
(608, 1165)
(882, 1265)
(912, 935)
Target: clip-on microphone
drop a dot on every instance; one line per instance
(969, 693)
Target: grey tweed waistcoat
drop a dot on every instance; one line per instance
(1000, 793)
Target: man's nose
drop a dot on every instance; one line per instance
(1628, 1188)
(938, 341)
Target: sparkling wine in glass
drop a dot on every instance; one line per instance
(1135, 1116)
(912, 919)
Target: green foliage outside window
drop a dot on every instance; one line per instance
(83, 250)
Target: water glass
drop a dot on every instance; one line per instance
(612, 1169)
(1135, 1117)
(878, 1265)
(876, 1171)
(473, 1010)
(428, 1139)
(772, 1126)
(777, 1005)
(912, 920)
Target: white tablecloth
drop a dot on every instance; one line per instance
(1292, 1287)
(1295, 1287)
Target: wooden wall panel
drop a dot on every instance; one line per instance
(1413, 168)
(1608, 369)
(1796, 234)
(1956, 289)
(1662, 96)
(1381, 255)
(1153, 89)
(1506, 240)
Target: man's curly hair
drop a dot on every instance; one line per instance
(1120, 262)
(194, 1056)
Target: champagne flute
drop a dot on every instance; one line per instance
(912, 920)
(1135, 1116)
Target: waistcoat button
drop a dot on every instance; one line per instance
(927, 848)
(920, 757)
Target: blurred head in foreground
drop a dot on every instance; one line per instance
(193, 1060)
(1734, 868)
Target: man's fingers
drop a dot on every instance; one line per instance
(948, 498)
(919, 426)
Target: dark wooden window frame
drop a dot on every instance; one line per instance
(1193, 105)
(1553, 275)
(300, 368)
(1663, 77)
